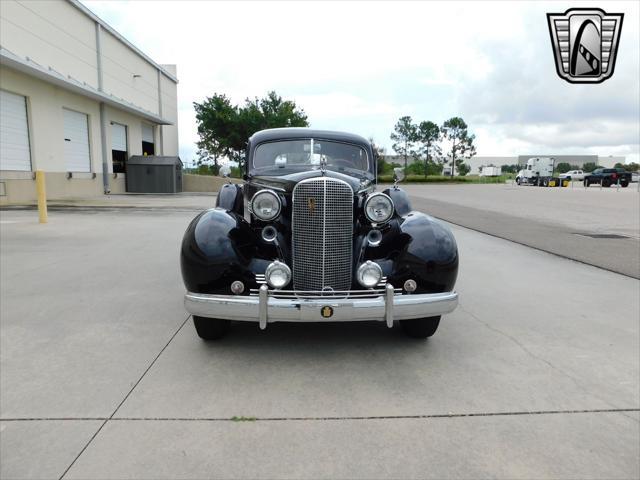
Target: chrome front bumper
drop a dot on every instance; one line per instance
(270, 306)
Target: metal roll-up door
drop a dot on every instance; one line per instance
(76, 141)
(15, 153)
(147, 133)
(118, 137)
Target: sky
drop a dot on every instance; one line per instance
(359, 66)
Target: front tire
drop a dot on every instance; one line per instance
(211, 328)
(420, 327)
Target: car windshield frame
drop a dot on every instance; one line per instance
(317, 162)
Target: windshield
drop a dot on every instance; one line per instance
(295, 155)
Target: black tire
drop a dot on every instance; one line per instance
(545, 182)
(606, 183)
(518, 180)
(420, 327)
(566, 178)
(624, 184)
(211, 328)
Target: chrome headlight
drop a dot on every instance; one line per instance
(369, 274)
(278, 274)
(378, 208)
(265, 205)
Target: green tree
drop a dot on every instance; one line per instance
(563, 167)
(428, 136)
(631, 167)
(457, 132)
(463, 168)
(223, 128)
(404, 136)
(589, 167)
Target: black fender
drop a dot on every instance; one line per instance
(430, 254)
(230, 198)
(400, 199)
(219, 247)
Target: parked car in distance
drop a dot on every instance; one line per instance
(307, 238)
(607, 177)
(573, 175)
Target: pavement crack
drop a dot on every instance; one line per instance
(536, 357)
(346, 418)
(125, 397)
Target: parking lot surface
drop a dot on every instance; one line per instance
(536, 374)
(599, 227)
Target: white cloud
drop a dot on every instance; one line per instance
(359, 66)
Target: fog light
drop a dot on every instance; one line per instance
(237, 287)
(410, 286)
(278, 274)
(369, 274)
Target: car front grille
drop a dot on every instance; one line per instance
(322, 224)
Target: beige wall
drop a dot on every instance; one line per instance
(120, 64)
(169, 95)
(53, 34)
(56, 34)
(204, 183)
(45, 104)
(45, 118)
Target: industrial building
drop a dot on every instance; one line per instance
(77, 100)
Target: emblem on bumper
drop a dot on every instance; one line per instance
(326, 312)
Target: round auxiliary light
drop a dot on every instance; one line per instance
(410, 286)
(237, 287)
(265, 205)
(278, 274)
(369, 274)
(378, 208)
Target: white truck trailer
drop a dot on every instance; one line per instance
(490, 171)
(539, 172)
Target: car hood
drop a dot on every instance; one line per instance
(288, 182)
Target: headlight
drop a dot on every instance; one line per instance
(265, 205)
(369, 274)
(378, 208)
(278, 274)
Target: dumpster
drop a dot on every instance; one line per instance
(154, 174)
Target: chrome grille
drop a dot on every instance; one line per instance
(322, 224)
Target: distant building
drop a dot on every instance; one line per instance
(77, 101)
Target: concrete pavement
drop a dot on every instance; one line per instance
(103, 378)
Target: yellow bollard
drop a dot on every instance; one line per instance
(42, 196)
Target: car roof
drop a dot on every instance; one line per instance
(272, 134)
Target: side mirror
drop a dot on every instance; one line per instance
(225, 171)
(398, 174)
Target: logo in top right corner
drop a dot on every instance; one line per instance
(585, 43)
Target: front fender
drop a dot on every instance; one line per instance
(428, 254)
(218, 247)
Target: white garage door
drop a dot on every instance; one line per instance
(76, 141)
(118, 137)
(14, 133)
(147, 133)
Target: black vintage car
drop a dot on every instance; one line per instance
(307, 238)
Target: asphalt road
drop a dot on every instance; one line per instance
(599, 227)
(103, 376)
